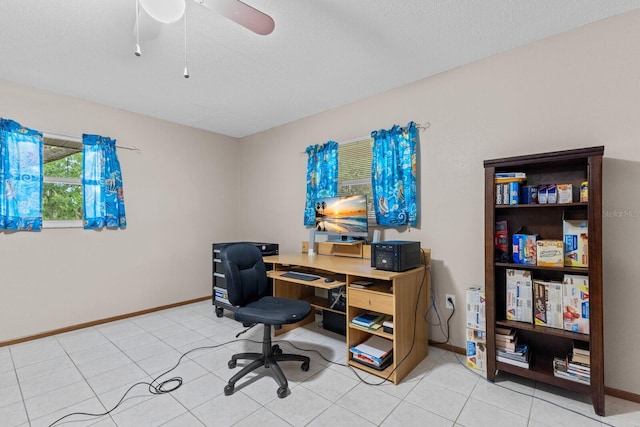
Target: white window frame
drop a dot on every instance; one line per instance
(62, 223)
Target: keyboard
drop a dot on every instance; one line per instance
(301, 276)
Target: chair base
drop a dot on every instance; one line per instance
(269, 358)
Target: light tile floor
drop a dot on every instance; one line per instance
(90, 370)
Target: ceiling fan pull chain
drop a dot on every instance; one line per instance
(186, 69)
(138, 52)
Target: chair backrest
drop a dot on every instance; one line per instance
(245, 273)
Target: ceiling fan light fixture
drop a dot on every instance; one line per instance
(165, 11)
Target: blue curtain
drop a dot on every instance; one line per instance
(393, 175)
(20, 177)
(322, 177)
(102, 184)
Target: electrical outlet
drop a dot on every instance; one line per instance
(448, 304)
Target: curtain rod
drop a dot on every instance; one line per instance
(426, 126)
(78, 139)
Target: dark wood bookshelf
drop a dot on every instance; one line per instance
(545, 220)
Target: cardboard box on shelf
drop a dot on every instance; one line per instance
(519, 305)
(524, 248)
(550, 253)
(575, 300)
(565, 193)
(529, 194)
(576, 242)
(501, 237)
(548, 307)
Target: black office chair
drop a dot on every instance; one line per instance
(248, 289)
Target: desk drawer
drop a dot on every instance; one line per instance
(374, 301)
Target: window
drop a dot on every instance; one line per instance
(354, 171)
(62, 188)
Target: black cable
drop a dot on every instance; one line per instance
(154, 386)
(448, 327)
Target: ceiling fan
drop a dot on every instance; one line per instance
(154, 13)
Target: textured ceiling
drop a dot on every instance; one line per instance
(322, 54)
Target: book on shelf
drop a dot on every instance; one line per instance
(572, 363)
(560, 370)
(579, 358)
(506, 339)
(514, 362)
(368, 319)
(506, 332)
(521, 352)
(361, 284)
(581, 347)
(510, 175)
(507, 345)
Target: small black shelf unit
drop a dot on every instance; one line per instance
(218, 280)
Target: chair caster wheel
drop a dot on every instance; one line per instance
(305, 366)
(231, 364)
(282, 392)
(219, 311)
(228, 390)
(275, 350)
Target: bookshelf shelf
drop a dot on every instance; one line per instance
(545, 220)
(544, 206)
(543, 330)
(572, 270)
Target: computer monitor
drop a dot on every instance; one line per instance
(342, 218)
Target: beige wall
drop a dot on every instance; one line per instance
(180, 195)
(575, 90)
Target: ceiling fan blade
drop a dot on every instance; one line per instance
(149, 28)
(243, 14)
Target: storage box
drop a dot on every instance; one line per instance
(548, 308)
(476, 309)
(575, 300)
(524, 248)
(576, 240)
(476, 350)
(565, 193)
(502, 241)
(512, 196)
(528, 194)
(519, 296)
(552, 193)
(550, 253)
(542, 194)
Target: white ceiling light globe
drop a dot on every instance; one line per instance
(166, 11)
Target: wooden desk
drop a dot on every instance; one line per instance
(403, 295)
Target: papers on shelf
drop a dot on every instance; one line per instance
(375, 350)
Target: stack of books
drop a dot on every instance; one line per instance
(576, 366)
(509, 351)
(375, 352)
(369, 320)
(506, 339)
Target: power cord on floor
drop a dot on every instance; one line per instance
(154, 387)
